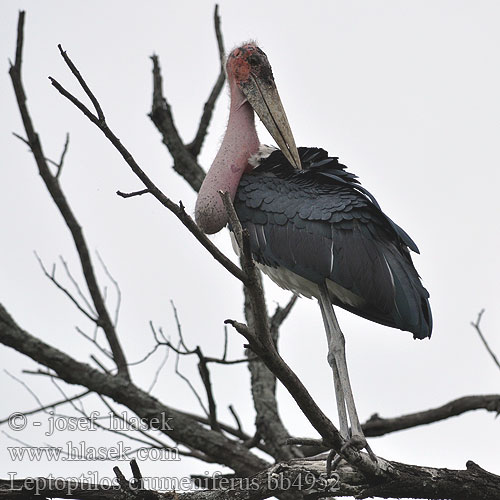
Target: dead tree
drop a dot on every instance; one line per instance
(285, 472)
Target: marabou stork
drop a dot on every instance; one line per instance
(313, 228)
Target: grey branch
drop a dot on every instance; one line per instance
(377, 426)
(357, 476)
(54, 188)
(263, 382)
(183, 430)
(195, 147)
(177, 210)
(52, 278)
(477, 327)
(161, 115)
(270, 427)
(305, 478)
(185, 156)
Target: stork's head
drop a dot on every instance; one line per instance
(249, 70)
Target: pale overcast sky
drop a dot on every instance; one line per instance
(405, 93)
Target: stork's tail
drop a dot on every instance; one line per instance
(412, 308)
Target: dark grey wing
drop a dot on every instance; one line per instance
(326, 230)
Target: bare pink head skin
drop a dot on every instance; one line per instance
(239, 143)
(252, 88)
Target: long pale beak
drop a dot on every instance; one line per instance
(264, 98)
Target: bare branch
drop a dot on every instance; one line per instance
(236, 418)
(179, 329)
(360, 477)
(52, 278)
(21, 139)
(63, 155)
(44, 373)
(189, 383)
(280, 315)
(51, 405)
(157, 372)
(305, 441)
(133, 193)
(75, 284)
(205, 377)
(108, 354)
(150, 441)
(161, 115)
(195, 147)
(100, 365)
(117, 288)
(150, 353)
(377, 426)
(177, 210)
(25, 385)
(477, 327)
(53, 186)
(305, 478)
(184, 430)
(82, 82)
(19, 42)
(224, 352)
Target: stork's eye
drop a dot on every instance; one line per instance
(253, 59)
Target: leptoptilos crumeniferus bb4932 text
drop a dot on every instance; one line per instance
(313, 228)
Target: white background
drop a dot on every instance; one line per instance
(406, 93)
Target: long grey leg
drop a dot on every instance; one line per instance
(339, 393)
(336, 350)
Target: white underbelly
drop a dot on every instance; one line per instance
(302, 286)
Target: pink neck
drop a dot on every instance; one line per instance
(239, 143)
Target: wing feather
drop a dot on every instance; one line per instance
(320, 225)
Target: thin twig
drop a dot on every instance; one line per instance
(51, 405)
(177, 210)
(224, 352)
(82, 82)
(195, 147)
(94, 341)
(236, 418)
(117, 288)
(51, 277)
(205, 377)
(147, 356)
(190, 385)
(76, 285)
(281, 314)
(22, 139)
(133, 193)
(254, 440)
(157, 372)
(179, 328)
(131, 426)
(185, 163)
(40, 372)
(477, 327)
(100, 365)
(25, 385)
(54, 188)
(63, 155)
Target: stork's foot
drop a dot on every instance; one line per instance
(358, 442)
